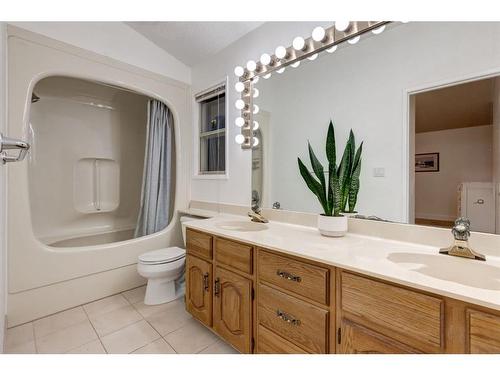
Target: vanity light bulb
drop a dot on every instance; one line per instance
(255, 79)
(281, 70)
(239, 86)
(251, 66)
(280, 52)
(378, 30)
(255, 125)
(255, 93)
(240, 138)
(239, 71)
(240, 104)
(239, 122)
(267, 76)
(265, 59)
(255, 109)
(313, 57)
(299, 43)
(342, 25)
(354, 40)
(318, 34)
(255, 141)
(295, 64)
(332, 49)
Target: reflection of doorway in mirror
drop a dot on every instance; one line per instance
(460, 123)
(260, 188)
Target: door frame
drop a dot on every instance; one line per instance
(408, 141)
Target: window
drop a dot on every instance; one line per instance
(212, 130)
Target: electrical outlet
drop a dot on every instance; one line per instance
(378, 172)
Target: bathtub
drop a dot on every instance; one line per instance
(60, 258)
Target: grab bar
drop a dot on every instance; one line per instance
(12, 144)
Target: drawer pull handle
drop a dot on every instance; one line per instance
(217, 287)
(287, 318)
(205, 282)
(288, 276)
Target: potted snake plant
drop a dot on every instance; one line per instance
(338, 192)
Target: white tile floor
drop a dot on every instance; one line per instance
(118, 324)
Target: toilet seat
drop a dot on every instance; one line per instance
(162, 256)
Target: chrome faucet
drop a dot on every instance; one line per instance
(460, 247)
(257, 217)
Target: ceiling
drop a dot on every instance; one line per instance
(460, 106)
(192, 42)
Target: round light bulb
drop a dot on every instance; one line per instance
(318, 34)
(332, 49)
(267, 76)
(255, 79)
(255, 109)
(342, 25)
(378, 30)
(281, 70)
(239, 122)
(240, 104)
(240, 138)
(313, 57)
(265, 59)
(251, 65)
(255, 125)
(353, 40)
(255, 93)
(280, 52)
(295, 64)
(299, 43)
(239, 86)
(239, 71)
(255, 141)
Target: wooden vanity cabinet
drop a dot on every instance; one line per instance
(265, 301)
(219, 287)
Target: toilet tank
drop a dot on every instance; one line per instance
(185, 219)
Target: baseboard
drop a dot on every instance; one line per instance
(36, 303)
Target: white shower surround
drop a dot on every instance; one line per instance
(43, 279)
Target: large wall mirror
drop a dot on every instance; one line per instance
(424, 98)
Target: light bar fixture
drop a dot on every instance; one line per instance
(321, 40)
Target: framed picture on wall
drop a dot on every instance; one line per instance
(427, 162)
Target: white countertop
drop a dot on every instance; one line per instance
(409, 264)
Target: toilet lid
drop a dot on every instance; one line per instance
(167, 255)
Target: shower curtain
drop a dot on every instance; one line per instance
(154, 214)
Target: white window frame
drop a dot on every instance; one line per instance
(197, 135)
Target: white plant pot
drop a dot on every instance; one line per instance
(332, 226)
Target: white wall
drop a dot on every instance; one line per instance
(377, 73)
(465, 155)
(496, 149)
(237, 188)
(3, 116)
(116, 40)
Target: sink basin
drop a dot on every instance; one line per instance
(462, 271)
(241, 226)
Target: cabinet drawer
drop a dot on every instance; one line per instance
(233, 254)
(270, 343)
(199, 244)
(298, 277)
(413, 318)
(299, 322)
(483, 332)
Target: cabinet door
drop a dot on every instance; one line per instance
(483, 333)
(199, 289)
(356, 339)
(233, 309)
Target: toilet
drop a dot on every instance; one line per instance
(164, 269)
